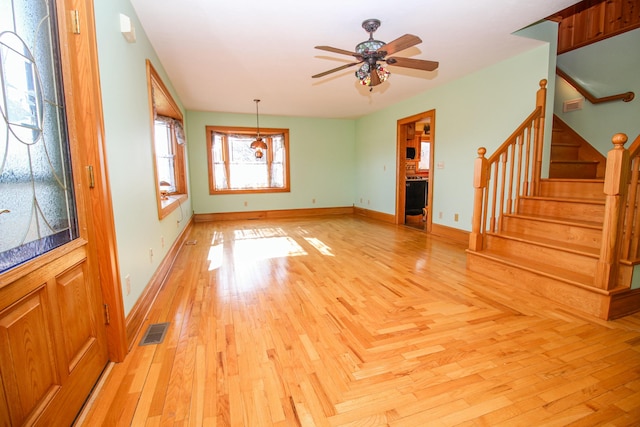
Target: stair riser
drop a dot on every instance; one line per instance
(562, 209)
(560, 137)
(573, 234)
(554, 289)
(585, 170)
(577, 263)
(572, 189)
(564, 152)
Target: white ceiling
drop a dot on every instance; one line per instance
(220, 56)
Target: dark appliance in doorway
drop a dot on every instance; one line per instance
(416, 195)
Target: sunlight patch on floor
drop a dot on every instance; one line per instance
(255, 244)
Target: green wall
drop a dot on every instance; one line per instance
(321, 155)
(605, 68)
(129, 153)
(479, 110)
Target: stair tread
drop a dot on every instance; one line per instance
(575, 161)
(553, 243)
(583, 280)
(565, 144)
(593, 180)
(574, 222)
(570, 199)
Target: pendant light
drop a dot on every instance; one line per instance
(258, 145)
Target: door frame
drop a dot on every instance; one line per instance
(80, 67)
(401, 162)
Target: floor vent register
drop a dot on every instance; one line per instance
(155, 334)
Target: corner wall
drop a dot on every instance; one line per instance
(479, 110)
(127, 131)
(609, 67)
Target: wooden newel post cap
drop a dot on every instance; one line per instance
(543, 83)
(482, 151)
(618, 140)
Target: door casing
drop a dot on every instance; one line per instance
(401, 145)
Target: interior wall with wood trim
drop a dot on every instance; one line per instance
(481, 109)
(142, 239)
(605, 68)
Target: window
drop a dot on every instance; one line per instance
(425, 155)
(168, 146)
(234, 166)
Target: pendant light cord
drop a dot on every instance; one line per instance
(257, 117)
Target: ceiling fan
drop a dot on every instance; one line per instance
(370, 52)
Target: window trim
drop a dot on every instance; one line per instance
(252, 132)
(162, 103)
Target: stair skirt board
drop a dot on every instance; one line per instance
(591, 301)
(624, 304)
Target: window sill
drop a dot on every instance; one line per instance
(170, 204)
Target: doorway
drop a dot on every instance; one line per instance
(414, 181)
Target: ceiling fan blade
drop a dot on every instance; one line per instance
(401, 43)
(336, 50)
(342, 67)
(418, 64)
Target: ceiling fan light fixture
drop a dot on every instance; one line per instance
(364, 75)
(258, 145)
(370, 52)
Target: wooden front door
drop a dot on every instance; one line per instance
(53, 342)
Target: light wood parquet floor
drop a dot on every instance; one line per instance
(344, 321)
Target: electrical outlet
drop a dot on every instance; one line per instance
(246, 203)
(439, 215)
(455, 217)
(313, 200)
(127, 284)
(151, 254)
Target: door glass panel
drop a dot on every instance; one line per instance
(36, 187)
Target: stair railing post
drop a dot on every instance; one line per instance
(541, 102)
(480, 173)
(616, 181)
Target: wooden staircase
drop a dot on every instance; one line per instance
(572, 156)
(573, 240)
(550, 247)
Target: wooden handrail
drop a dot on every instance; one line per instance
(630, 250)
(634, 148)
(626, 97)
(511, 172)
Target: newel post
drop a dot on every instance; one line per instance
(541, 103)
(480, 171)
(615, 188)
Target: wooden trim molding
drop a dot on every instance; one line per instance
(455, 234)
(136, 317)
(84, 66)
(284, 213)
(380, 216)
